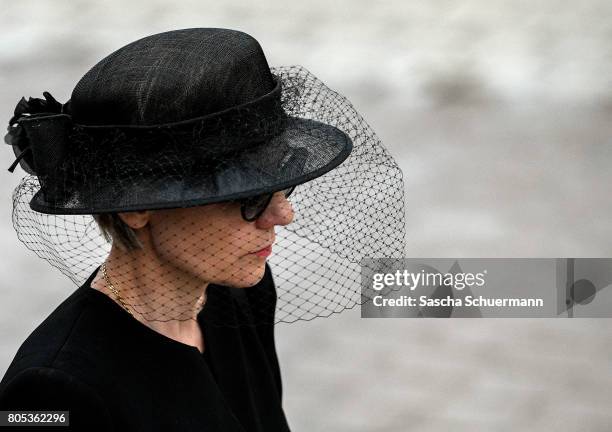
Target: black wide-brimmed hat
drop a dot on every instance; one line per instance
(192, 117)
(177, 119)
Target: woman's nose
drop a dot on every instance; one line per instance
(278, 212)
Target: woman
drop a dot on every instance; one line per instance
(185, 148)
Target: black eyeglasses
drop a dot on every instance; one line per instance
(253, 207)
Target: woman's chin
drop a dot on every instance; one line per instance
(247, 278)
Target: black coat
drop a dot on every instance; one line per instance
(113, 373)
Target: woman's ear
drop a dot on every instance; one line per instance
(135, 220)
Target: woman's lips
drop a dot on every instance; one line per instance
(264, 252)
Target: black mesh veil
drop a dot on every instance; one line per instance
(150, 184)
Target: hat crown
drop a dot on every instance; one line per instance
(172, 76)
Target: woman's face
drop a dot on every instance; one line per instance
(214, 243)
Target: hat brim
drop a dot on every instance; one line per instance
(305, 150)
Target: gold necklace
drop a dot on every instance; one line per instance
(109, 284)
(111, 287)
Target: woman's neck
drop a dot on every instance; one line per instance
(157, 293)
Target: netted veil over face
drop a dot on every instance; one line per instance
(194, 175)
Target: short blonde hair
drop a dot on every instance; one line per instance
(117, 232)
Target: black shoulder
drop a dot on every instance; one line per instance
(43, 388)
(52, 336)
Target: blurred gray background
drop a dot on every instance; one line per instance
(498, 113)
